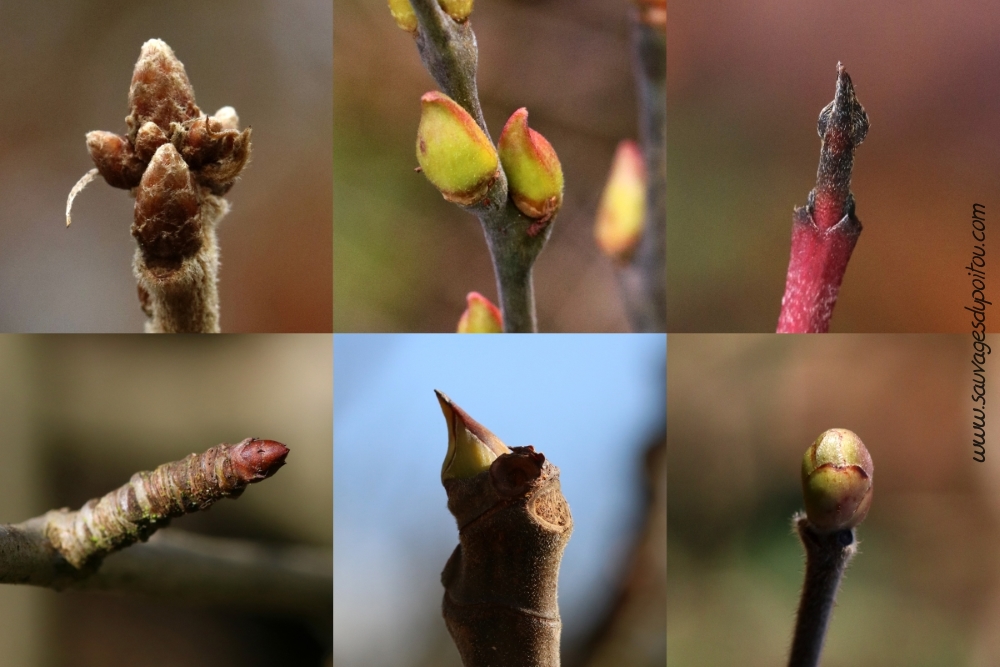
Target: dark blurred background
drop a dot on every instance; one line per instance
(81, 414)
(924, 590)
(745, 84)
(404, 257)
(65, 69)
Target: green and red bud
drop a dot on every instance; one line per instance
(472, 448)
(402, 12)
(534, 175)
(454, 153)
(480, 316)
(622, 210)
(837, 477)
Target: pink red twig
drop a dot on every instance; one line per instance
(825, 230)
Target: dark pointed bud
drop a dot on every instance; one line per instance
(161, 92)
(167, 222)
(837, 477)
(480, 316)
(115, 160)
(454, 153)
(472, 447)
(534, 174)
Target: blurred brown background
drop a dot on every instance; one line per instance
(65, 69)
(924, 590)
(745, 84)
(404, 257)
(81, 414)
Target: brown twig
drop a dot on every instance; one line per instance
(500, 601)
(61, 547)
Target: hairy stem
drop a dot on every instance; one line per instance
(500, 602)
(184, 297)
(449, 53)
(825, 230)
(643, 280)
(827, 556)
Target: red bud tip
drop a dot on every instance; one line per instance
(254, 460)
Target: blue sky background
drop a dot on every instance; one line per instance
(590, 403)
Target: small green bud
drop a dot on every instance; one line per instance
(402, 11)
(454, 153)
(472, 448)
(837, 476)
(623, 205)
(480, 316)
(533, 171)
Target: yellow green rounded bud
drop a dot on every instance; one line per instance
(472, 448)
(454, 153)
(402, 12)
(480, 316)
(534, 175)
(837, 476)
(622, 210)
(457, 9)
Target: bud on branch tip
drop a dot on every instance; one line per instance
(480, 316)
(837, 477)
(472, 447)
(533, 170)
(454, 153)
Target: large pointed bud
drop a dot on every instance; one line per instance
(837, 476)
(622, 209)
(534, 174)
(454, 153)
(472, 448)
(480, 316)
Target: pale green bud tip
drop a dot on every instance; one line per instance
(622, 210)
(454, 153)
(533, 171)
(471, 446)
(837, 477)
(402, 12)
(480, 316)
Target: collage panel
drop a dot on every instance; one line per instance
(505, 155)
(491, 491)
(224, 108)
(793, 457)
(802, 131)
(108, 439)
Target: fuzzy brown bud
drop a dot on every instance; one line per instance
(167, 222)
(161, 92)
(215, 153)
(115, 160)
